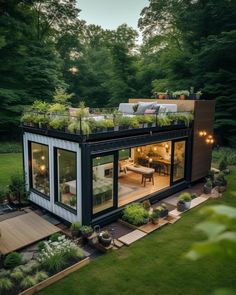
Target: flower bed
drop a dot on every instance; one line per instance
(53, 257)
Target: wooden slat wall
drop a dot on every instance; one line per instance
(183, 105)
(204, 112)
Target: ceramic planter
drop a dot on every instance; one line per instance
(181, 207)
(106, 242)
(187, 205)
(206, 189)
(164, 213)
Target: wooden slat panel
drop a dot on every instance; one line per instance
(203, 120)
(23, 230)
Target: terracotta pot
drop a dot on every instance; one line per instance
(161, 96)
(182, 97)
(221, 189)
(155, 220)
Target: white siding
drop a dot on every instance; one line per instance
(43, 202)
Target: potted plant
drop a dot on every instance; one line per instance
(146, 205)
(198, 94)
(105, 238)
(75, 229)
(86, 231)
(181, 206)
(186, 199)
(221, 182)
(207, 187)
(181, 94)
(164, 211)
(161, 95)
(125, 123)
(155, 216)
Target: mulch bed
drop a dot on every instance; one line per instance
(117, 229)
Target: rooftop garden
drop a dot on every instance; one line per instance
(58, 115)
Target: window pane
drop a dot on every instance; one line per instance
(67, 178)
(142, 171)
(102, 183)
(40, 168)
(179, 160)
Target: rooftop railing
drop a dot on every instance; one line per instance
(98, 121)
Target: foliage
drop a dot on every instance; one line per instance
(13, 259)
(8, 147)
(5, 284)
(75, 225)
(221, 152)
(85, 229)
(155, 214)
(17, 188)
(28, 281)
(208, 184)
(55, 255)
(223, 164)
(146, 204)
(17, 274)
(135, 214)
(185, 196)
(55, 237)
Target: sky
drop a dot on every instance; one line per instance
(109, 14)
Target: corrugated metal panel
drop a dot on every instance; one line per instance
(43, 202)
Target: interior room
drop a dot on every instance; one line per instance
(145, 170)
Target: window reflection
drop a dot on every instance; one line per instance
(179, 160)
(102, 183)
(67, 186)
(40, 168)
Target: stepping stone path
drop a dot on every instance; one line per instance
(132, 237)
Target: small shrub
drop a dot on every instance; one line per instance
(12, 260)
(208, 184)
(75, 225)
(211, 175)
(4, 273)
(40, 276)
(54, 237)
(86, 229)
(186, 197)
(223, 164)
(146, 204)
(17, 274)
(135, 214)
(155, 214)
(41, 246)
(28, 282)
(5, 284)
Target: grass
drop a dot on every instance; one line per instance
(10, 164)
(156, 264)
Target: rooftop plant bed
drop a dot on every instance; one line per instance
(53, 256)
(84, 123)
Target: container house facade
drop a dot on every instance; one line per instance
(92, 177)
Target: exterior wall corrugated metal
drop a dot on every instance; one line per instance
(50, 205)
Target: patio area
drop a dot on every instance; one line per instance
(21, 231)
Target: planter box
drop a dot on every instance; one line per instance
(53, 279)
(129, 225)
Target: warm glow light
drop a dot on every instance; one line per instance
(42, 158)
(202, 133)
(166, 146)
(73, 70)
(155, 148)
(210, 136)
(42, 168)
(139, 150)
(212, 140)
(150, 160)
(208, 140)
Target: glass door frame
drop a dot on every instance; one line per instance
(115, 183)
(172, 182)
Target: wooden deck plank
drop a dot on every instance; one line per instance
(24, 230)
(132, 237)
(150, 227)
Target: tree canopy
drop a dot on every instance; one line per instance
(44, 46)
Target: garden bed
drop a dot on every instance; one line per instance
(53, 260)
(53, 279)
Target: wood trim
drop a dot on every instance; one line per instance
(201, 154)
(53, 279)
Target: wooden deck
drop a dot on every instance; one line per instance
(132, 237)
(23, 230)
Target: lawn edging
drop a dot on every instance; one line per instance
(53, 279)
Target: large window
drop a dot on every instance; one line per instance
(143, 170)
(179, 160)
(103, 183)
(66, 176)
(40, 168)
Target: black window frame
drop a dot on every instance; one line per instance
(56, 182)
(30, 167)
(115, 183)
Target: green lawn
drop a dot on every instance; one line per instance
(156, 264)
(9, 165)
